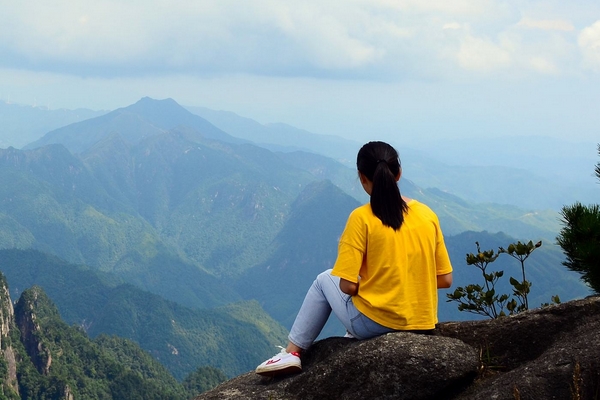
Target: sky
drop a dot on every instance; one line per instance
(410, 70)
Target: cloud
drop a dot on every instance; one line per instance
(589, 43)
(479, 54)
(543, 65)
(355, 39)
(452, 25)
(547, 25)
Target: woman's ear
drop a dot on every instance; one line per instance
(362, 177)
(399, 175)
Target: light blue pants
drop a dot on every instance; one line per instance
(323, 297)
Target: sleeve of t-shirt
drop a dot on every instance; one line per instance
(351, 249)
(442, 260)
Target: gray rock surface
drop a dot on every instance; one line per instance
(393, 366)
(548, 353)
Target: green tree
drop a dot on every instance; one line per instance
(580, 239)
(203, 379)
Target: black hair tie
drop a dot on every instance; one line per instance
(381, 160)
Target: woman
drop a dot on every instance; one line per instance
(391, 261)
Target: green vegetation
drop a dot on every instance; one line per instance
(580, 239)
(485, 299)
(203, 379)
(55, 361)
(180, 337)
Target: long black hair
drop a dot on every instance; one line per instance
(379, 162)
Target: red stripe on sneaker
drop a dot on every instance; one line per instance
(273, 361)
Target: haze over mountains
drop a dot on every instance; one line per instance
(21, 125)
(533, 172)
(206, 214)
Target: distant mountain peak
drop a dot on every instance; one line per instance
(148, 102)
(147, 117)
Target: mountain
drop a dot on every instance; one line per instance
(174, 211)
(524, 170)
(281, 137)
(22, 124)
(218, 204)
(326, 168)
(181, 338)
(146, 118)
(42, 357)
(456, 214)
(529, 172)
(307, 245)
(51, 202)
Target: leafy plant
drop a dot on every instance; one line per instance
(520, 252)
(484, 299)
(478, 299)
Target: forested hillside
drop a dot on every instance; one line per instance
(44, 358)
(181, 338)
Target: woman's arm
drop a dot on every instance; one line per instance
(444, 281)
(348, 287)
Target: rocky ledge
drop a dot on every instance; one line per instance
(548, 353)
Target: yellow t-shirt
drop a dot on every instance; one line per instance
(398, 269)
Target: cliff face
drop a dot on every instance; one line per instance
(548, 353)
(19, 329)
(7, 353)
(26, 320)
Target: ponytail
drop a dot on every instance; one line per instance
(378, 162)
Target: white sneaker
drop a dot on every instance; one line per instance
(280, 364)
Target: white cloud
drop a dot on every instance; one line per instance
(452, 25)
(589, 43)
(328, 39)
(368, 39)
(543, 65)
(479, 54)
(547, 25)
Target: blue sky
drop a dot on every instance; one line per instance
(420, 70)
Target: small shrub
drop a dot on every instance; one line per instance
(484, 299)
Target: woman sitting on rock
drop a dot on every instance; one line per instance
(391, 261)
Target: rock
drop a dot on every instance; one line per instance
(393, 366)
(548, 353)
(7, 352)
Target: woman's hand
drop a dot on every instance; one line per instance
(350, 288)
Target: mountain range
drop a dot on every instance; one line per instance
(21, 125)
(161, 225)
(534, 172)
